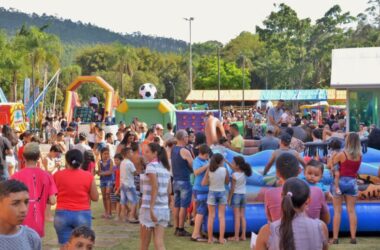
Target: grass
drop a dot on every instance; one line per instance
(116, 235)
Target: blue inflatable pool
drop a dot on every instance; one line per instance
(367, 211)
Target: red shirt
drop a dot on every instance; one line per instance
(20, 156)
(41, 185)
(349, 168)
(117, 178)
(91, 167)
(74, 187)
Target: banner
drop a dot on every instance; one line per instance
(26, 91)
(2, 96)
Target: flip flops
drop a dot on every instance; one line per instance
(198, 239)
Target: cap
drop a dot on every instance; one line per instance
(270, 129)
(159, 126)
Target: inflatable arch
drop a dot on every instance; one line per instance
(68, 110)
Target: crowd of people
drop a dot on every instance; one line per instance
(172, 179)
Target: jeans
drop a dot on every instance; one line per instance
(66, 220)
(182, 193)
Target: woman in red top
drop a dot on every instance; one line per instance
(349, 162)
(75, 190)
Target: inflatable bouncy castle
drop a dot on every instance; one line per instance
(367, 207)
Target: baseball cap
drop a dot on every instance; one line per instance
(159, 126)
(270, 129)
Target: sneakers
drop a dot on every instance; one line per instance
(180, 232)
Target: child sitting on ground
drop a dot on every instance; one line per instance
(14, 199)
(81, 238)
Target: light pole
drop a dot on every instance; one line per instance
(218, 51)
(172, 84)
(191, 58)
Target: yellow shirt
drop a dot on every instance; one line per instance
(238, 142)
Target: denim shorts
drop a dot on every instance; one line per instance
(347, 185)
(216, 198)
(162, 215)
(65, 221)
(182, 193)
(201, 202)
(238, 200)
(106, 183)
(128, 194)
(100, 146)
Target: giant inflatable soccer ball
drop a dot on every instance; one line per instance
(147, 91)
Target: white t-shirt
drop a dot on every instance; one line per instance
(94, 100)
(127, 170)
(112, 149)
(82, 147)
(241, 180)
(217, 179)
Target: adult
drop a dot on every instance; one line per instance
(284, 148)
(41, 187)
(75, 190)
(52, 162)
(82, 145)
(275, 113)
(374, 139)
(237, 142)
(269, 142)
(214, 129)
(287, 167)
(154, 211)
(248, 128)
(127, 141)
(349, 162)
(149, 138)
(26, 137)
(182, 162)
(94, 102)
(5, 149)
(295, 143)
(295, 230)
(170, 134)
(160, 133)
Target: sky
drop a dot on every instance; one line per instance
(220, 20)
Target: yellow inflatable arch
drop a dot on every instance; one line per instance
(69, 107)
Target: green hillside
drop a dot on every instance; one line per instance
(84, 33)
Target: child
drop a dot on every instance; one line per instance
(13, 210)
(41, 186)
(105, 173)
(237, 197)
(81, 238)
(115, 194)
(313, 173)
(110, 144)
(335, 147)
(128, 188)
(216, 177)
(89, 162)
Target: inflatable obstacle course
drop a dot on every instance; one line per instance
(193, 118)
(150, 111)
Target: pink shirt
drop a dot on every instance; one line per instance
(41, 185)
(315, 209)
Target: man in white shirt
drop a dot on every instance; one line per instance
(82, 144)
(94, 102)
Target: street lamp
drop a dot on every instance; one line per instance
(190, 60)
(172, 84)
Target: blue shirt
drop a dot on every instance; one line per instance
(197, 164)
(318, 184)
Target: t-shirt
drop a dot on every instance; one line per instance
(217, 179)
(74, 187)
(82, 147)
(241, 180)
(238, 142)
(163, 178)
(197, 164)
(117, 177)
(40, 185)
(275, 114)
(94, 100)
(127, 170)
(269, 143)
(315, 209)
(20, 156)
(25, 239)
(112, 149)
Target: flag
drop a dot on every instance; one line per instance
(26, 91)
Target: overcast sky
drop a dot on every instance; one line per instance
(219, 20)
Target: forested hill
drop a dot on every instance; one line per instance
(77, 32)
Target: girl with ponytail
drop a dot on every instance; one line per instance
(237, 196)
(154, 210)
(295, 230)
